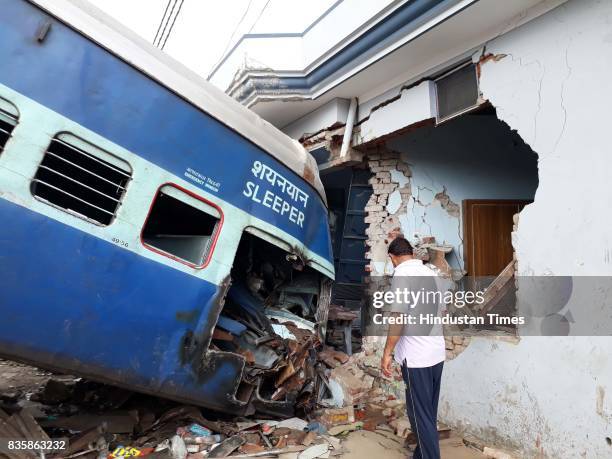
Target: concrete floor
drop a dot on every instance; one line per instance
(372, 445)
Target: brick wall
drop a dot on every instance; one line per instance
(383, 225)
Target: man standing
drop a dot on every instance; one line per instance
(420, 354)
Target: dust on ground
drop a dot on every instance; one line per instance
(367, 445)
(17, 377)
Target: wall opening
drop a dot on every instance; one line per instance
(468, 177)
(455, 191)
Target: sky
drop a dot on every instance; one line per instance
(206, 29)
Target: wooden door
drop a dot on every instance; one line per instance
(487, 234)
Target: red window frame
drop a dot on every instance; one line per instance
(215, 236)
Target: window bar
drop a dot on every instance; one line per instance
(82, 184)
(110, 166)
(49, 152)
(72, 196)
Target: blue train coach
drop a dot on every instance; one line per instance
(155, 234)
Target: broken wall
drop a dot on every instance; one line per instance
(550, 396)
(421, 178)
(471, 157)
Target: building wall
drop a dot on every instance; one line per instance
(551, 81)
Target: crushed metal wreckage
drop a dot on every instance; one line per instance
(104, 422)
(274, 317)
(279, 348)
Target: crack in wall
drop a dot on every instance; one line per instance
(540, 84)
(484, 58)
(562, 100)
(423, 198)
(451, 207)
(395, 199)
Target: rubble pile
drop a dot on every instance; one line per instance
(90, 420)
(105, 422)
(355, 387)
(368, 397)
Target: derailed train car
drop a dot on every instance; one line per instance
(154, 233)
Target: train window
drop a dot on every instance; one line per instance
(82, 179)
(8, 121)
(182, 226)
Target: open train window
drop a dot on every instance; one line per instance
(82, 179)
(8, 121)
(182, 226)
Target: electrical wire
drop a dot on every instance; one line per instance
(259, 17)
(172, 25)
(229, 42)
(166, 24)
(162, 21)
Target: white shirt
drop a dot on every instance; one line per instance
(419, 351)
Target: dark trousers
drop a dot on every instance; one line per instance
(422, 394)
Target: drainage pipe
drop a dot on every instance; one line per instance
(348, 128)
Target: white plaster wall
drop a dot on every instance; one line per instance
(540, 396)
(550, 396)
(413, 105)
(471, 157)
(332, 113)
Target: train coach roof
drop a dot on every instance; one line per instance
(130, 47)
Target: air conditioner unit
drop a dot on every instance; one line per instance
(457, 92)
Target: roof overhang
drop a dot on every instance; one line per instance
(414, 40)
